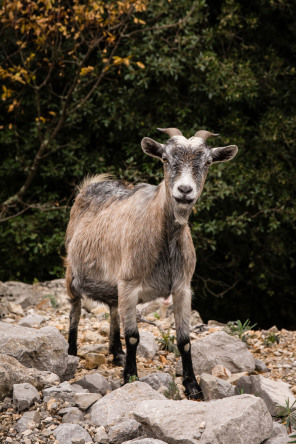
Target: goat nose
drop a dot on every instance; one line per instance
(185, 189)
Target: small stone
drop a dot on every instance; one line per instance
(215, 388)
(260, 366)
(124, 430)
(72, 364)
(221, 372)
(147, 347)
(94, 360)
(115, 384)
(24, 395)
(15, 308)
(32, 320)
(104, 328)
(74, 416)
(85, 400)
(28, 420)
(156, 380)
(66, 433)
(62, 391)
(95, 383)
(78, 389)
(101, 435)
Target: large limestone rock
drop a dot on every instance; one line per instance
(44, 349)
(274, 393)
(13, 372)
(219, 348)
(279, 435)
(240, 419)
(116, 405)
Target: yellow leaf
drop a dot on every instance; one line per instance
(140, 65)
(86, 70)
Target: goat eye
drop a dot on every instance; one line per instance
(208, 163)
(164, 158)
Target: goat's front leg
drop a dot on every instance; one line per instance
(182, 310)
(127, 300)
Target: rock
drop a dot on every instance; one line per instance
(72, 364)
(104, 328)
(94, 360)
(260, 366)
(195, 318)
(23, 294)
(78, 389)
(219, 348)
(13, 372)
(144, 441)
(240, 419)
(94, 348)
(85, 400)
(73, 416)
(116, 405)
(24, 395)
(156, 380)
(279, 435)
(128, 429)
(29, 420)
(274, 393)
(95, 383)
(15, 308)
(115, 384)
(32, 320)
(44, 349)
(67, 433)
(147, 347)
(236, 376)
(221, 372)
(101, 435)
(215, 388)
(62, 391)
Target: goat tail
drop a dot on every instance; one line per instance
(88, 180)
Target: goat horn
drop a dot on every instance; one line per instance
(171, 131)
(204, 134)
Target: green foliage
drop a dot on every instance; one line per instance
(133, 378)
(228, 68)
(53, 300)
(271, 339)
(287, 413)
(156, 315)
(172, 392)
(292, 436)
(167, 342)
(237, 328)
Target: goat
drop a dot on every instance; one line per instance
(130, 244)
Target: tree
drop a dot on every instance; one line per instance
(226, 67)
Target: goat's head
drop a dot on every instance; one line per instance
(186, 163)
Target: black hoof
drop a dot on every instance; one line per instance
(119, 360)
(193, 391)
(72, 350)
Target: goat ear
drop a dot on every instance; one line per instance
(152, 148)
(224, 153)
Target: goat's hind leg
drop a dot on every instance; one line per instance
(75, 312)
(128, 298)
(115, 347)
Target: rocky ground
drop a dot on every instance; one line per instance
(73, 410)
